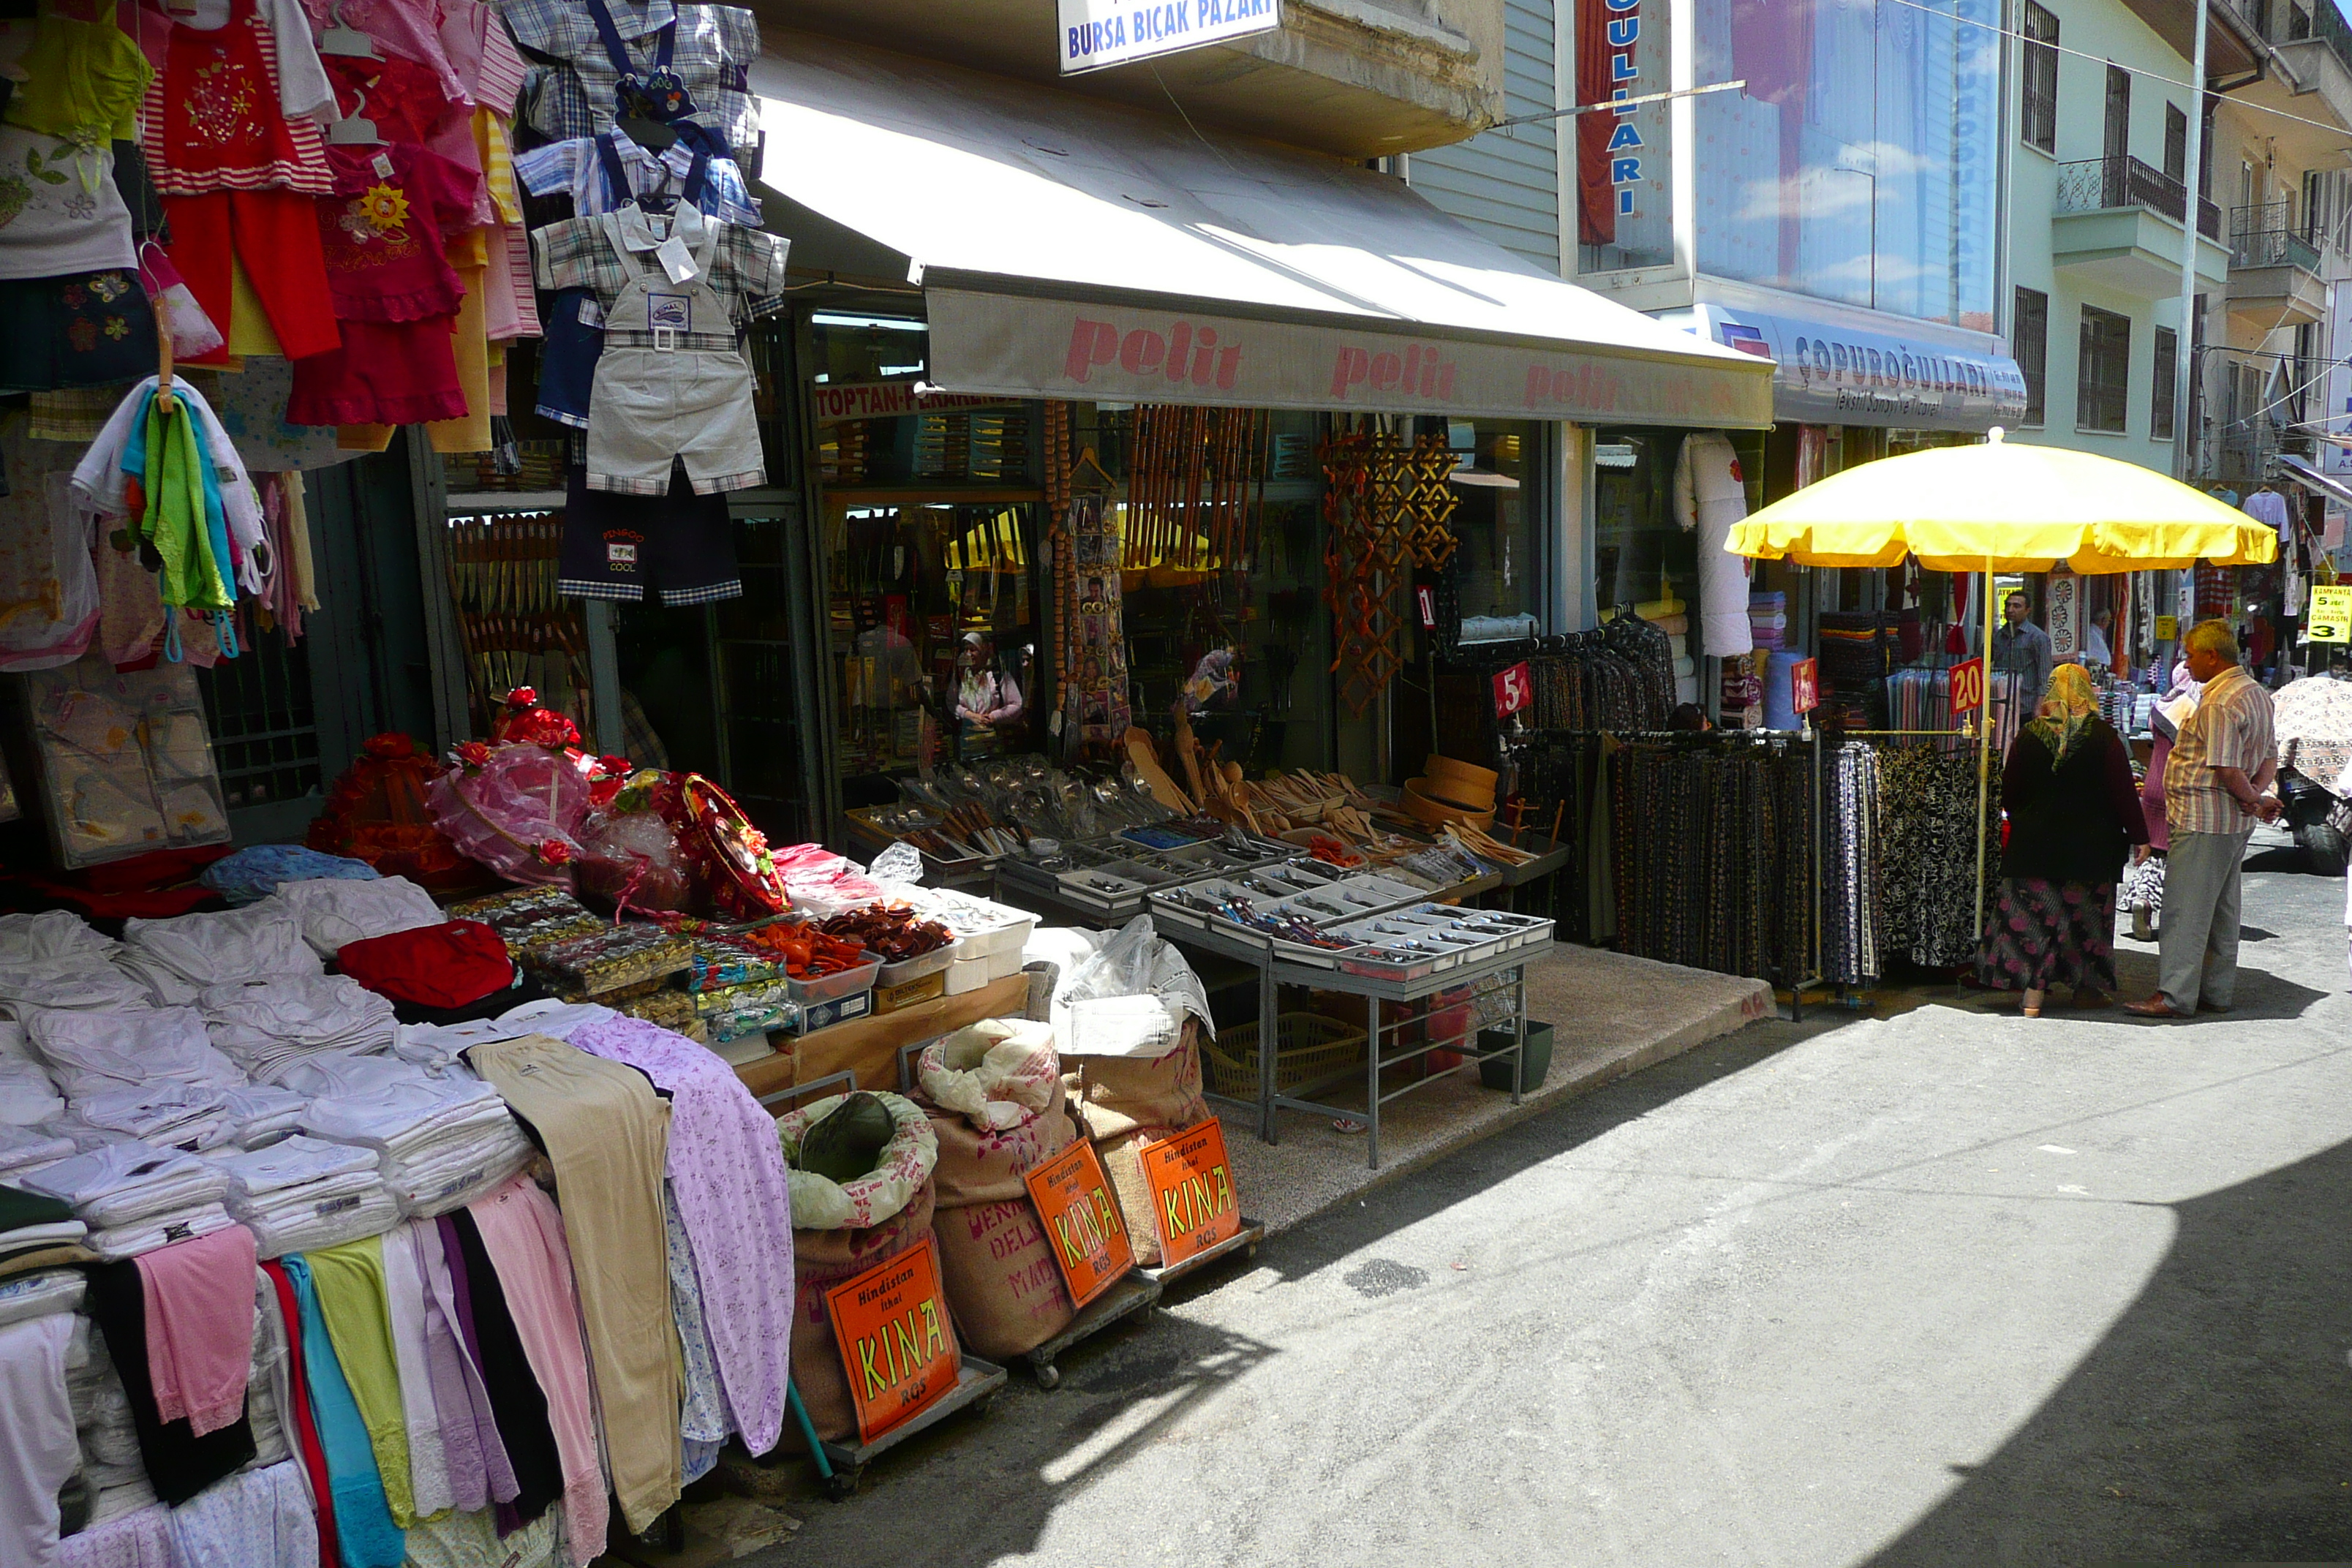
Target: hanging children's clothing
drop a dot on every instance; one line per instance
(228, 129)
(587, 52)
(60, 207)
(679, 548)
(609, 170)
(86, 329)
(393, 289)
(81, 78)
(672, 381)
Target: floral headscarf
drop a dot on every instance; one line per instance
(2068, 709)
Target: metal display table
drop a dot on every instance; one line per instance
(1275, 971)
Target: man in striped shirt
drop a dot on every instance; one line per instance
(2216, 784)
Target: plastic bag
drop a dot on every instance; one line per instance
(997, 1073)
(898, 862)
(905, 1164)
(634, 850)
(515, 809)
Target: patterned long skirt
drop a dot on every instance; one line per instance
(2045, 933)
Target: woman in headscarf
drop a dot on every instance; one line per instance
(2073, 815)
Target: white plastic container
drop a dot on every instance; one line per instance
(967, 975)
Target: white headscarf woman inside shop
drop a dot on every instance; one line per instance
(988, 697)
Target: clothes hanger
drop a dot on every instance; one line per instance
(340, 38)
(1101, 482)
(354, 129)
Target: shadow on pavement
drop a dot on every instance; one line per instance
(2213, 1424)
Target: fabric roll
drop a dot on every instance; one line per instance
(520, 1406)
(260, 1519)
(607, 1134)
(302, 1431)
(734, 1201)
(365, 1533)
(429, 1466)
(199, 1299)
(38, 1450)
(522, 1238)
(179, 1463)
(349, 1280)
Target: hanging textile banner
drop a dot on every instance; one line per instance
(2065, 614)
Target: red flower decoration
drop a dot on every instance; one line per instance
(474, 754)
(555, 852)
(522, 696)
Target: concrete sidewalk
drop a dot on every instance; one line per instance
(1611, 1015)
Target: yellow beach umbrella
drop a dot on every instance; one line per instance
(2006, 509)
(2002, 508)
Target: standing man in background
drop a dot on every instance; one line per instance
(2215, 785)
(2022, 650)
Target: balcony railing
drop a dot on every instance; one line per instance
(2265, 236)
(2093, 183)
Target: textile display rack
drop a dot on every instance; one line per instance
(2002, 508)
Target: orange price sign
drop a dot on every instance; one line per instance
(1191, 1191)
(897, 1341)
(1968, 685)
(1805, 686)
(1082, 1221)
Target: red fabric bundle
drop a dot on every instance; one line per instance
(448, 965)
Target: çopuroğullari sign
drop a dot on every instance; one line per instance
(1099, 33)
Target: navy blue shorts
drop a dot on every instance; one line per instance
(679, 547)
(568, 356)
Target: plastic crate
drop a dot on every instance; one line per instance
(1308, 1047)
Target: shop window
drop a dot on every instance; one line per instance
(1242, 645)
(1640, 555)
(1830, 175)
(2161, 393)
(2039, 63)
(2103, 382)
(2028, 345)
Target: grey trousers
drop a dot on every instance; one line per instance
(2197, 946)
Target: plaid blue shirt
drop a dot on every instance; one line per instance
(569, 92)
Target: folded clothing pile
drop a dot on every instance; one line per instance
(33, 1226)
(1768, 619)
(306, 1193)
(216, 949)
(54, 958)
(92, 1053)
(250, 875)
(136, 1198)
(27, 1093)
(332, 914)
(262, 1023)
(444, 1142)
(24, 1149)
(261, 1114)
(113, 1472)
(166, 1114)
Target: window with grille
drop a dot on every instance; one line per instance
(2161, 395)
(2028, 345)
(2103, 384)
(265, 725)
(2039, 119)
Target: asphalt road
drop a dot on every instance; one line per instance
(1932, 1286)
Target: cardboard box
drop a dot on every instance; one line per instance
(913, 992)
(869, 1047)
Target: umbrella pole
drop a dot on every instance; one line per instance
(1984, 745)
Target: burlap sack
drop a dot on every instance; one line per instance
(1003, 1284)
(1122, 1161)
(821, 1261)
(1117, 1094)
(996, 1263)
(983, 1167)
